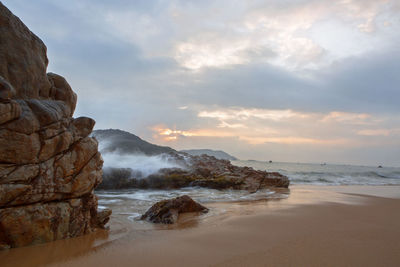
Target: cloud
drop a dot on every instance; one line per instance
(292, 140)
(345, 117)
(282, 31)
(374, 132)
(285, 127)
(245, 114)
(379, 132)
(196, 55)
(288, 78)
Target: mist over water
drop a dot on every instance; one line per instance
(140, 164)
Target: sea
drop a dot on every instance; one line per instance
(129, 204)
(328, 174)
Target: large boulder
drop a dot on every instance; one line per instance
(49, 166)
(167, 211)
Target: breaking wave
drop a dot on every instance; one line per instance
(140, 164)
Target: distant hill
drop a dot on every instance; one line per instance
(117, 140)
(216, 153)
(124, 142)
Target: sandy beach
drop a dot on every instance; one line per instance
(314, 226)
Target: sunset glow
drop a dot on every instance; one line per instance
(290, 80)
(262, 126)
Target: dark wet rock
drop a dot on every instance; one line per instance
(167, 211)
(103, 217)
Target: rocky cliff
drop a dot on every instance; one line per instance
(49, 165)
(114, 140)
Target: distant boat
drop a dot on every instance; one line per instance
(323, 164)
(380, 166)
(270, 161)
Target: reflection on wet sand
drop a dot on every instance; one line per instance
(53, 252)
(124, 225)
(124, 228)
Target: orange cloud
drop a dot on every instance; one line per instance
(260, 126)
(170, 135)
(167, 135)
(293, 140)
(375, 132)
(347, 117)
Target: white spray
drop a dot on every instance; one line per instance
(139, 163)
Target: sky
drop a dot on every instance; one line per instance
(295, 81)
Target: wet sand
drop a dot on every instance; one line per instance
(314, 226)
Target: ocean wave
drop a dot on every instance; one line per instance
(202, 195)
(343, 178)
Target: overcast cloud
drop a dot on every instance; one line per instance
(303, 81)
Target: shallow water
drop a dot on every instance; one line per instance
(128, 205)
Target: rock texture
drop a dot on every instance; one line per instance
(49, 165)
(167, 211)
(202, 171)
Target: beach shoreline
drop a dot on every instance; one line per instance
(314, 226)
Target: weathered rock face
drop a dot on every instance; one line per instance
(202, 171)
(23, 58)
(48, 164)
(167, 211)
